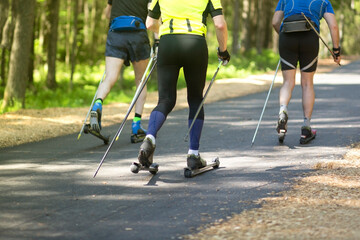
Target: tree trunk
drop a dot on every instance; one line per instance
(32, 60)
(8, 33)
(236, 27)
(87, 22)
(74, 43)
(20, 53)
(260, 26)
(68, 32)
(43, 29)
(4, 12)
(53, 19)
(2, 68)
(248, 26)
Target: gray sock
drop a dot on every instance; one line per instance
(283, 108)
(306, 122)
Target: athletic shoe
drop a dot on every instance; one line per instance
(282, 123)
(307, 134)
(138, 132)
(195, 162)
(95, 117)
(146, 153)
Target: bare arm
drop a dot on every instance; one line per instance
(221, 31)
(153, 25)
(334, 32)
(108, 11)
(277, 19)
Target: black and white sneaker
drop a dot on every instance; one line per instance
(195, 162)
(146, 152)
(281, 127)
(307, 134)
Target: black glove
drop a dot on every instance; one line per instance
(337, 52)
(223, 56)
(156, 45)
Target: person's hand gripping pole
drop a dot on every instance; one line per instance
(335, 56)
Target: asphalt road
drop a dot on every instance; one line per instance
(47, 189)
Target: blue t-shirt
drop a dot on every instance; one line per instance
(313, 9)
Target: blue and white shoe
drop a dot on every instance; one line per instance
(95, 117)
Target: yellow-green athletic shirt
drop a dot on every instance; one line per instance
(184, 16)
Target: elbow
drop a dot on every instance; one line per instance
(151, 25)
(276, 24)
(221, 26)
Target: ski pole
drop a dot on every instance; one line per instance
(203, 101)
(92, 103)
(137, 94)
(312, 26)
(267, 98)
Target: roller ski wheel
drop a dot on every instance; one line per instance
(137, 167)
(88, 129)
(307, 134)
(190, 172)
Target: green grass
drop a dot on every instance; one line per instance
(87, 78)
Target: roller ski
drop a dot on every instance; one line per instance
(95, 123)
(307, 134)
(281, 127)
(145, 158)
(137, 167)
(197, 165)
(138, 132)
(88, 129)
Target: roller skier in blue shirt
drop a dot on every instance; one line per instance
(298, 42)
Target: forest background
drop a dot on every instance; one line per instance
(52, 51)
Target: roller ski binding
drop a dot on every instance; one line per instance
(95, 123)
(145, 158)
(307, 134)
(197, 165)
(138, 133)
(281, 127)
(88, 129)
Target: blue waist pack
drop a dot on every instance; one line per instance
(127, 23)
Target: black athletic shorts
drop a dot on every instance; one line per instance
(131, 46)
(302, 47)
